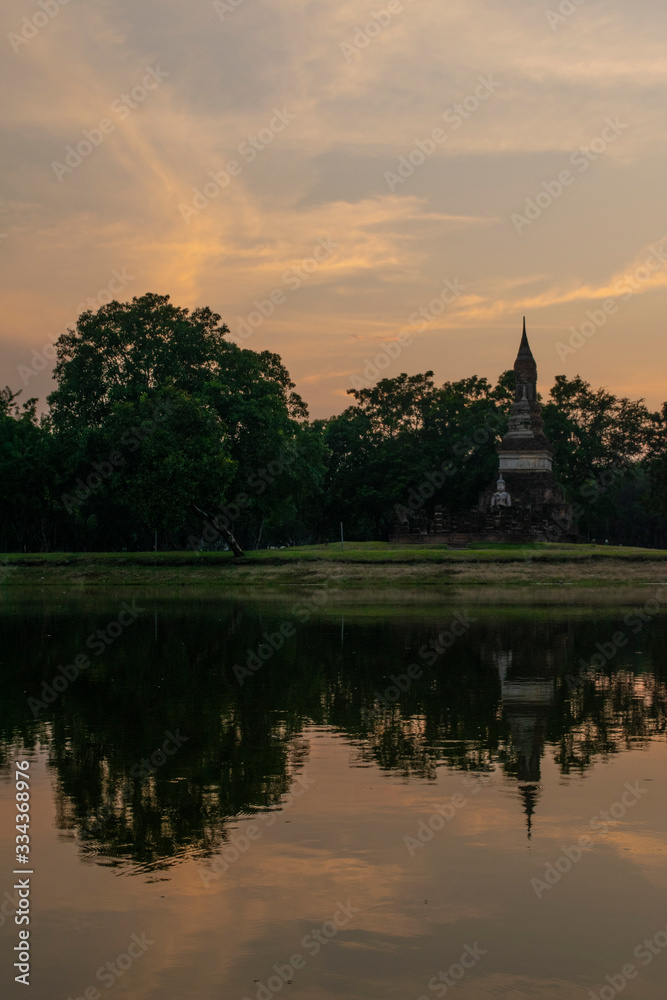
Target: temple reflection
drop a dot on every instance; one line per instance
(526, 703)
(501, 698)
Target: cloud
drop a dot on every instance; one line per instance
(355, 114)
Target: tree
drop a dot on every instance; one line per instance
(128, 349)
(181, 457)
(126, 354)
(406, 435)
(159, 422)
(657, 465)
(29, 477)
(603, 445)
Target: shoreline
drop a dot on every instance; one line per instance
(360, 566)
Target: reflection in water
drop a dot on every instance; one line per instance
(526, 702)
(506, 689)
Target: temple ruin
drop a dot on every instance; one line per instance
(524, 503)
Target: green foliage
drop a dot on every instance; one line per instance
(177, 454)
(406, 433)
(127, 349)
(28, 477)
(593, 430)
(604, 448)
(226, 415)
(156, 413)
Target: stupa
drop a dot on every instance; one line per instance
(524, 503)
(525, 456)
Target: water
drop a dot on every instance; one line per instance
(313, 828)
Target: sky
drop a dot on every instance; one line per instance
(363, 188)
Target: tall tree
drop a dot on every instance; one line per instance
(125, 354)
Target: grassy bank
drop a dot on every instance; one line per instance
(357, 565)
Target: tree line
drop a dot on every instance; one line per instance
(245, 743)
(159, 424)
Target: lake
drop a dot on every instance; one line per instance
(334, 796)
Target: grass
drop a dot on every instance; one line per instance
(357, 552)
(357, 565)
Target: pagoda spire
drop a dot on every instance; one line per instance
(529, 795)
(525, 368)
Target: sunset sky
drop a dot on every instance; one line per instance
(305, 111)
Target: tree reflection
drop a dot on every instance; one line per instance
(503, 693)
